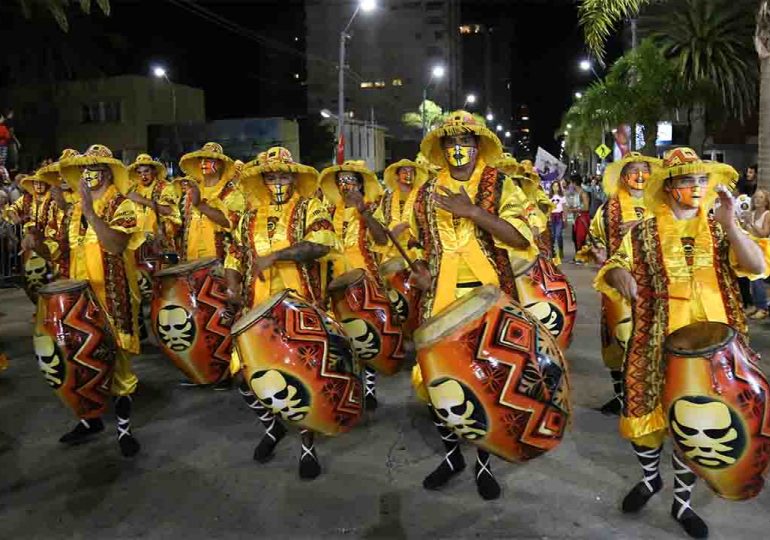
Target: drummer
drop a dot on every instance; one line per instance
(352, 191)
(476, 219)
(624, 182)
(210, 206)
(684, 265)
(101, 235)
(281, 241)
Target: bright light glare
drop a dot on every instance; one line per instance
(507, 133)
(159, 72)
(368, 5)
(471, 98)
(525, 117)
(569, 126)
(585, 65)
(490, 117)
(499, 127)
(437, 71)
(325, 113)
(578, 95)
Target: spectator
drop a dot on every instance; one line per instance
(747, 185)
(578, 205)
(6, 138)
(757, 223)
(557, 219)
(598, 197)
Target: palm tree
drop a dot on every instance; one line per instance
(58, 8)
(600, 17)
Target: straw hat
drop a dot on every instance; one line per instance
(97, 154)
(391, 174)
(25, 182)
(51, 173)
(277, 159)
(422, 160)
(190, 163)
(146, 159)
(611, 179)
(328, 181)
(461, 123)
(683, 161)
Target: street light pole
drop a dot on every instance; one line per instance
(161, 73)
(436, 73)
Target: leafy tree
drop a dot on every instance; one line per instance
(58, 8)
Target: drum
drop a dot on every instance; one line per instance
(75, 347)
(495, 375)
(546, 293)
(300, 365)
(37, 272)
(404, 296)
(148, 261)
(717, 403)
(191, 319)
(368, 318)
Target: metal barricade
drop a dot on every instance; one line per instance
(11, 271)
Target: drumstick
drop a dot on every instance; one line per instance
(400, 249)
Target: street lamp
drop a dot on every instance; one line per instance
(569, 126)
(160, 73)
(578, 95)
(586, 65)
(470, 99)
(507, 134)
(499, 127)
(437, 73)
(326, 113)
(490, 117)
(365, 6)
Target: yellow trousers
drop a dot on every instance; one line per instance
(124, 380)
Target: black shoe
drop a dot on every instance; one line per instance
(451, 466)
(640, 494)
(691, 522)
(84, 431)
(612, 407)
(370, 403)
(129, 446)
(486, 484)
(223, 385)
(264, 451)
(309, 467)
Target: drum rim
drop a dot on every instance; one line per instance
(250, 318)
(179, 268)
(421, 340)
(525, 267)
(398, 262)
(62, 285)
(668, 347)
(335, 284)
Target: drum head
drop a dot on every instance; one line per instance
(64, 285)
(187, 267)
(463, 310)
(393, 266)
(346, 279)
(253, 315)
(699, 339)
(521, 266)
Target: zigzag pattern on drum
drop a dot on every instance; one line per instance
(643, 376)
(213, 293)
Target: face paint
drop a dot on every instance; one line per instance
(459, 156)
(347, 181)
(280, 185)
(146, 174)
(39, 187)
(208, 166)
(689, 191)
(406, 175)
(92, 178)
(636, 179)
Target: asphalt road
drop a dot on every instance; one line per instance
(195, 477)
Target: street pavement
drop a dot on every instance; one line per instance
(195, 477)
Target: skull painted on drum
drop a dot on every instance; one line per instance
(176, 328)
(400, 304)
(707, 431)
(549, 315)
(145, 284)
(366, 341)
(282, 393)
(49, 362)
(458, 408)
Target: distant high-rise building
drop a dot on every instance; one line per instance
(390, 55)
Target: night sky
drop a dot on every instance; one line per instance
(230, 66)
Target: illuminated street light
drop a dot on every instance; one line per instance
(437, 72)
(585, 65)
(159, 72)
(578, 95)
(470, 99)
(569, 126)
(490, 117)
(525, 117)
(368, 5)
(507, 134)
(326, 113)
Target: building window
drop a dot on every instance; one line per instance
(397, 82)
(373, 84)
(367, 84)
(101, 112)
(379, 84)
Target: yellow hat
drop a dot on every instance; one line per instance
(97, 154)
(51, 173)
(461, 123)
(328, 181)
(683, 161)
(391, 174)
(25, 182)
(508, 164)
(277, 159)
(611, 178)
(239, 165)
(190, 163)
(146, 159)
(432, 168)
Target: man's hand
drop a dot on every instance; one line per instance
(195, 193)
(86, 199)
(622, 281)
(399, 229)
(420, 276)
(628, 225)
(58, 196)
(32, 239)
(263, 263)
(599, 254)
(725, 213)
(134, 196)
(355, 199)
(458, 204)
(234, 298)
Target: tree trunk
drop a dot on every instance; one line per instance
(764, 124)
(650, 136)
(697, 127)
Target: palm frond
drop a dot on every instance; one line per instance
(598, 18)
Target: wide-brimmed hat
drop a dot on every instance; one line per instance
(611, 178)
(390, 176)
(51, 173)
(239, 166)
(25, 182)
(328, 181)
(683, 161)
(190, 163)
(146, 159)
(433, 169)
(277, 159)
(97, 154)
(461, 123)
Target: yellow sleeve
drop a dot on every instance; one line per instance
(169, 197)
(51, 231)
(764, 245)
(232, 260)
(519, 212)
(125, 220)
(543, 202)
(318, 226)
(234, 205)
(622, 258)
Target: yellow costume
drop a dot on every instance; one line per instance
(111, 276)
(357, 250)
(685, 272)
(160, 191)
(199, 236)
